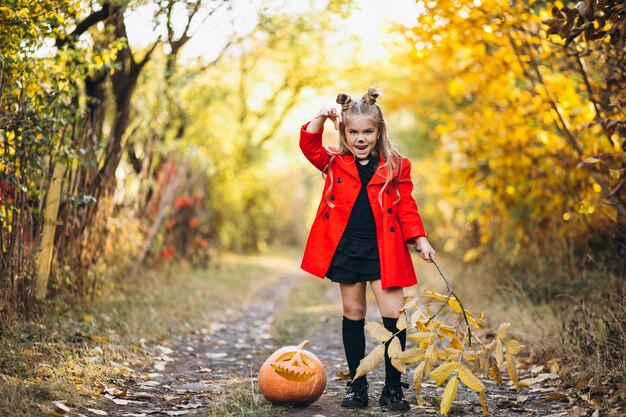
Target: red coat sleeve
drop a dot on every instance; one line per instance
(311, 145)
(408, 213)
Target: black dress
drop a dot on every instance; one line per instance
(356, 258)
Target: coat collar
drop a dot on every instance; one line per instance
(348, 164)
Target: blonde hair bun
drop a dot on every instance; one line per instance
(371, 95)
(345, 100)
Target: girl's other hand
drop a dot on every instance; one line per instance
(330, 113)
(423, 247)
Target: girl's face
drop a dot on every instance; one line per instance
(361, 135)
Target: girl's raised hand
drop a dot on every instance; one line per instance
(330, 113)
(426, 251)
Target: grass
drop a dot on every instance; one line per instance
(64, 350)
(241, 399)
(563, 306)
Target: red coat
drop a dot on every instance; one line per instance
(395, 223)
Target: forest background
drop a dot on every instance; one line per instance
(136, 134)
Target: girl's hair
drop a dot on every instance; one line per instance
(367, 106)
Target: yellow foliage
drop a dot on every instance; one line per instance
(502, 330)
(449, 394)
(418, 377)
(495, 373)
(421, 337)
(443, 371)
(371, 361)
(394, 348)
(401, 323)
(411, 355)
(499, 351)
(378, 331)
(514, 347)
(511, 367)
(469, 379)
(483, 402)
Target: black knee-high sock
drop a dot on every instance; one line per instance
(353, 332)
(392, 375)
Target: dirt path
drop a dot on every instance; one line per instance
(190, 373)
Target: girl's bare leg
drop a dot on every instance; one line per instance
(390, 301)
(353, 299)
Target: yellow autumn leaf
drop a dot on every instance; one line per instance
(503, 330)
(394, 347)
(499, 351)
(471, 356)
(421, 337)
(511, 367)
(454, 305)
(410, 302)
(469, 379)
(378, 331)
(436, 295)
(411, 355)
(472, 320)
(430, 359)
(514, 347)
(443, 371)
(447, 330)
(421, 326)
(483, 402)
(418, 377)
(495, 373)
(416, 316)
(452, 352)
(449, 394)
(401, 323)
(371, 361)
(399, 365)
(434, 324)
(484, 360)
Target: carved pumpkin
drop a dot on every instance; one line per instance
(292, 376)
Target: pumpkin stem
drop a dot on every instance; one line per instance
(303, 344)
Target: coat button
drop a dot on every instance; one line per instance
(332, 198)
(339, 179)
(387, 191)
(389, 211)
(392, 229)
(326, 215)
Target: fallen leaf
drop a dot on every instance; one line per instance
(557, 396)
(47, 410)
(97, 412)
(61, 406)
(342, 375)
(217, 355)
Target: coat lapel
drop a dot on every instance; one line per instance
(381, 173)
(348, 164)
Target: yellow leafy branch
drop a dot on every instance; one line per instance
(449, 297)
(455, 362)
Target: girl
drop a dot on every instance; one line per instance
(365, 220)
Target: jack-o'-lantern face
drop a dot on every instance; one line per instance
(295, 366)
(292, 376)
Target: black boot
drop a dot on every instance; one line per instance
(356, 397)
(393, 397)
